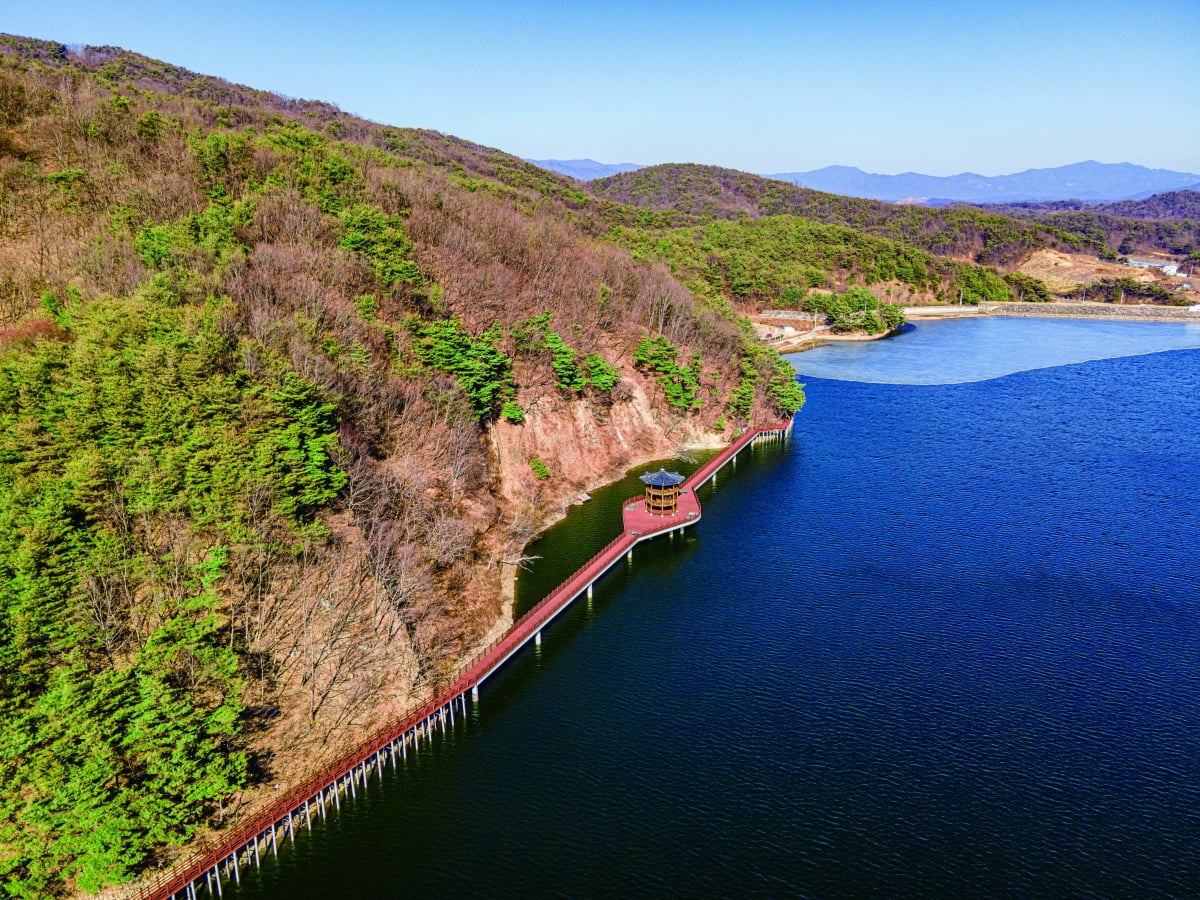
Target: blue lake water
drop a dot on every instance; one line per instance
(952, 351)
(945, 643)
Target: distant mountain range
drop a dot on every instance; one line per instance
(1092, 182)
(1089, 181)
(585, 169)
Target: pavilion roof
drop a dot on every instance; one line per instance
(662, 478)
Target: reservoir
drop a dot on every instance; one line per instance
(944, 642)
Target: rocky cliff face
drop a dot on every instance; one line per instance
(585, 443)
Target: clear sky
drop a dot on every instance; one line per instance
(933, 86)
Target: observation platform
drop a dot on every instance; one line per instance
(640, 523)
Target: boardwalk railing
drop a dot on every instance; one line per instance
(207, 861)
(750, 436)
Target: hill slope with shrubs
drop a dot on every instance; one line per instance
(267, 376)
(711, 192)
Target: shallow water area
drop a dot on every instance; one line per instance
(944, 643)
(953, 351)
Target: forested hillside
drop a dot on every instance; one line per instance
(778, 260)
(1168, 205)
(280, 388)
(963, 251)
(710, 192)
(256, 357)
(1165, 223)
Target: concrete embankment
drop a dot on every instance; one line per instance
(940, 312)
(1090, 311)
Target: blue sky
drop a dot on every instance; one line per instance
(928, 85)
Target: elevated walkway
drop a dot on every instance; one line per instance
(246, 843)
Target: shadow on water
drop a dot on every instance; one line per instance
(584, 531)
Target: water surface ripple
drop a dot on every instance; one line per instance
(944, 644)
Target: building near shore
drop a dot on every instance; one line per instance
(1167, 268)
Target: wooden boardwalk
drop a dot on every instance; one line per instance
(207, 865)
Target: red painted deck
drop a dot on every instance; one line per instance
(638, 526)
(638, 522)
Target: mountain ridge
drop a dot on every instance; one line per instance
(585, 169)
(1183, 204)
(713, 192)
(1088, 181)
(281, 389)
(1000, 235)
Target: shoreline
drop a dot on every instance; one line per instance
(941, 312)
(508, 596)
(1054, 310)
(1145, 312)
(300, 803)
(810, 340)
(144, 885)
